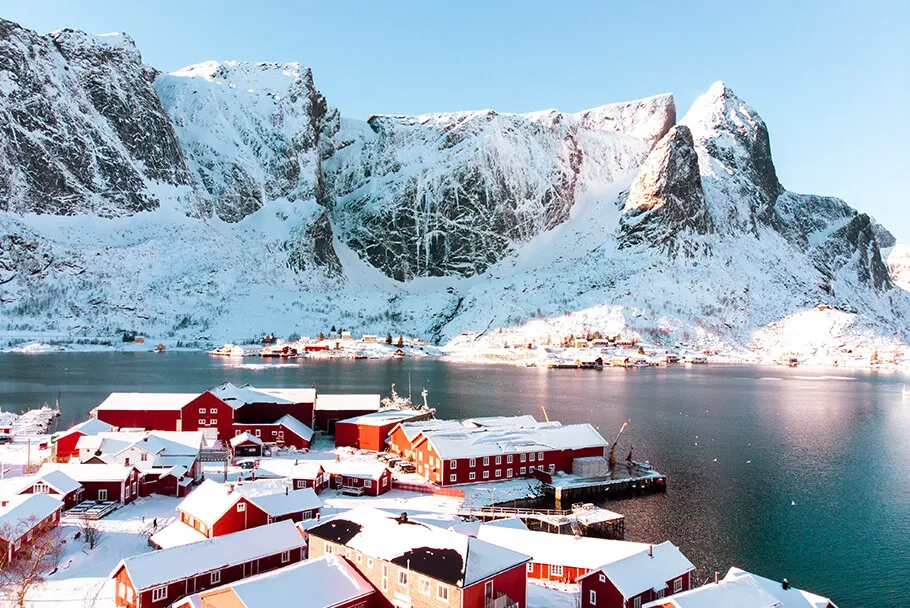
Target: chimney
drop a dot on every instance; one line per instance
(651, 551)
(785, 584)
(716, 578)
(403, 518)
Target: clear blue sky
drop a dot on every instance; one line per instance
(831, 78)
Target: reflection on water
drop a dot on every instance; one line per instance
(784, 472)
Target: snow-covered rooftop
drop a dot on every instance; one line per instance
(177, 534)
(296, 427)
(444, 555)
(88, 472)
(23, 512)
(364, 469)
(238, 396)
(293, 395)
(328, 581)
(472, 527)
(149, 570)
(294, 501)
(243, 438)
(308, 469)
(209, 501)
(490, 441)
(58, 480)
(92, 426)
(146, 401)
(560, 549)
(646, 570)
(348, 402)
(383, 417)
(412, 429)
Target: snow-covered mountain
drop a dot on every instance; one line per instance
(230, 199)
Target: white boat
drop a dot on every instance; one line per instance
(228, 350)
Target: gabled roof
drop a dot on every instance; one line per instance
(146, 401)
(296, 427)
(24, 512)
(642, 571)
(88, 472)
(294, 501)
(243, 438)
(335, 403)
(92, 426)
(58, 480)
(149, 570)
(209, 502)
(560, 549)
(384, 417)
(329, 581)
(308, 469)
(177, 534)
(238, 396)
(495, 440)
(362, 469)
(447, 556)
(293, 395)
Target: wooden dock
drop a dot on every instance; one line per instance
(581, 520)
(628, 478)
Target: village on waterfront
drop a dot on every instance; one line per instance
(247, 496)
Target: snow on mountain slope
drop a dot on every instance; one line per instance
(84, 132)
(251, 133)
(452, 193)
(898, 258)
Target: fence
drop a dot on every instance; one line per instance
(427, 489)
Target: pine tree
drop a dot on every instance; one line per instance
(321, 336)
(388, 338)
(400, 342)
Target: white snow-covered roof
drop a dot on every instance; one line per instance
(491, 441)
(743, 590)
(24, 512)
(294, 501)
(328, 581)
(444, 555)
(92, 426)
(383, 417)
(363, 469)
(58, 480)
(471, 527)
(308, 469)
(292, 395)
(645, 570)
(560, 549)
(209, 501)
(243, 438)
(177, 534)
(88, 472)
(146, 401)
(238, 396)
(296, 427)
(149, 570)
(338, 403)
(520, 421)
(413, 429)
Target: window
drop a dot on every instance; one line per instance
(143, 457)
(499, 460)
(602, 578)
(420, 456)
(241, 507)
(201, 410)
(472, 476)
(215, 578)
(213, 410)
(424, 586)
(213, 422)
(129, 594)
(135, 488)
(498, 472)
(122, 590)
(328, 548)
(442, 592)
(274, 433)
(530, 567)
(159, 593)
(540, 456)
(236, 433)
(677, 585)
(636, 603)
(201, 422)
(660, 594)
(102, 494)
(41, 488)
(285, 557)
(453, 464)
(509, 459)
(403, 577)
(531, 457)
(453, 477)
(552, 467)
(488, 589)
(472, 462)
(523, 457)
(555, 570)
(486, 474)
(369, 562)
(592, 598)
(301, 484)
(368, 483)
(385, 577)
(508, 472)
(486, 460)
(358, 557)
(307, 515)
(385, 481)
(523, 470)
(532, 468)
(258, 433)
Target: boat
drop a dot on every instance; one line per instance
(280, 352)
(228, 350)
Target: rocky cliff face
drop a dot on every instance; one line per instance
(451, 194)
(86, 133)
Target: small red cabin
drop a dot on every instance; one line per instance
(59, 485)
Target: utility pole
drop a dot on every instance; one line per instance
(28, 457)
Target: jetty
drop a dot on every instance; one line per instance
(626, 478)
(583, 519)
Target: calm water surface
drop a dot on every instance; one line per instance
(788, 473)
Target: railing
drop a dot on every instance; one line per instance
(512, 511)
(499, 600)
(427, 489)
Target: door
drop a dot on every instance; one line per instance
(102, 494)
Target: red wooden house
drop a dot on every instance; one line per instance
(160, 578)
(64, 444)
(244, 444)
(328, 582)
(411, 563)
(308, 475)
(332, 408)
(149, 411)
(56, 484)
(367, 477)
(659, 571)
(286, 431)
(102, 482)
(370, 431)
(214, 510)
(23, 518)
(295, 505)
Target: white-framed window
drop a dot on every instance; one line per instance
(403, 577)
(552, 467)
(241, 507)
(285, 557)
(498, 472)
(532, 468)
(213, 422)
(472, 476)
(121, 590)
(368, 483)
(369, 562)
(602, 578)
(420, 456)
(530, 567)
(453, 464)
(213, 410)
(359, 557)
(129, 594)
(385, 577)
(135, 488)
(555, 570)
(499, 460)
(540, 456)
(424, 586)
(453, 477)
(385, 481)
(486, 474)
(301, 484)
(307, 515)
(636, 603)
(472, 462)
(159, 593)
(215, 578)
(660, 594)
(530, 457)
(486, 460)
(274, 433)
(41, 488)
(143, 457)
(677, 585)
(258, 433)
(102, 494)
(523, 457)
(202, 422)
(442, 592)
(328, 548)
(201, 410)
(509, 459)
(236, 433)
(523, 471)
(508, 472)
(592, 597)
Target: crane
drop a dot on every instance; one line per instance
(613, 447)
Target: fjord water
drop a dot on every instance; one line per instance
(791, 473)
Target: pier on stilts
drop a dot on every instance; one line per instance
(580, 520)
(626, 478)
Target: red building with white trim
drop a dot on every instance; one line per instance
(332, 408)
(308, 475)
(370, 431)
(57, 484)
(101, 482)
(64, 444)
(23, 518)
(371, 477)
